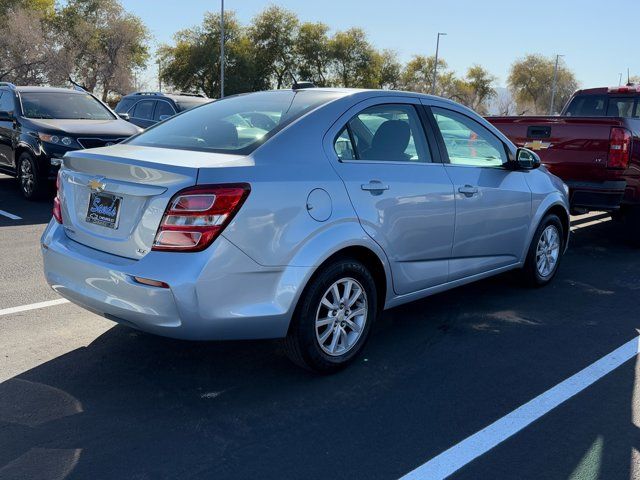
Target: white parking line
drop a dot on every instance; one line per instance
(481, 442)
(33, 306)
(10, 215)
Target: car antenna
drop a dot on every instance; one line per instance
(77, 86)
(299, 85)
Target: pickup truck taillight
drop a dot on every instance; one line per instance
(57, 208)
(619, 148)
(197, 215)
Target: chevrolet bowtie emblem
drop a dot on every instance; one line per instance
(537, 145)
(96, 185)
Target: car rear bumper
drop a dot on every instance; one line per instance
(217, 294)
(605, 195)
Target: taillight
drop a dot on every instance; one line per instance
(619, 148)
(197, 215)
(57, 208)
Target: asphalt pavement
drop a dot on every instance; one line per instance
(83, 398)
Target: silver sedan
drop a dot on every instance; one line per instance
(299, 214)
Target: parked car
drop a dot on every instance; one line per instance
(352, 202)
(38, 125)
(594, 146)
(148, 108)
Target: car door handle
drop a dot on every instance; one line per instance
(374, 186)
(468, 190)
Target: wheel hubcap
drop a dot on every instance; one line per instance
(341, 317)
(548, 251)
(27, 178)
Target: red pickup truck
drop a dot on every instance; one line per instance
(594, 146)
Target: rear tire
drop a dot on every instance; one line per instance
(545, 252)
(32, 184)
(333, 319)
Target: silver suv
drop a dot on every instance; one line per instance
(299, 215)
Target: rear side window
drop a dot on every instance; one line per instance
(391, 133)
(124, 105)
(6, 102)
(144, 110)
(587, 106)
(620, 107)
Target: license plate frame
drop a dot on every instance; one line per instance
(104, 210)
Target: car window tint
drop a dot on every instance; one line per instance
(163, 108)
(343, 146)
(144, 110)
(124, 105)
(468, 142)
(620, 107)
(587, 106)
(64, 106)
(389, 133)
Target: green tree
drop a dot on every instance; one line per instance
(475, 90)
(530, 81)
(273, 34)
(417, 75)
(353, 60)
(390, 70)
(192, 64)
(104, 42)
(44, 7)
(313, 53)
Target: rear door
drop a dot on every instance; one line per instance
(403, 198)
(493, 204)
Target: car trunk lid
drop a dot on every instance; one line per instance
(132, 185)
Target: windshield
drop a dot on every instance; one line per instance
(237, 124)
(63, 106)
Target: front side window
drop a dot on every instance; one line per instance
(467, 142)
(124, 105)
(63, 106)
(390, 133)
(144, 110)
(236, 124)
(163, 109)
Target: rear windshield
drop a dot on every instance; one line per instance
(237, 124)
(63, 106)
(189, 104)
(587, 106)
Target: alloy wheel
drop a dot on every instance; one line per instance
(27, 177)
(341, 317)
(548, 251)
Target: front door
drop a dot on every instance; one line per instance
(493, 204)
(7, 129)
(403, 198)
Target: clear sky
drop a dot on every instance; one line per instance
(594, 35)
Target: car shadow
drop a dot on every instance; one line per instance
(30, 212)
(136, 406)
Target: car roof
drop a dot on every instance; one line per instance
(47, 90)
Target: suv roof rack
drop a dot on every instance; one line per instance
(8, 84)
(146, 93)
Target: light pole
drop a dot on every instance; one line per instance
(221, 48)
(553, 85)
(435, 65)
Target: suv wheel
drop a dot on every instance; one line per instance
(31, 183)
(333, 320)
(545, 252)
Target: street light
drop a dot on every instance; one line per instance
(435, 65)
(221, 48)
(553, 85)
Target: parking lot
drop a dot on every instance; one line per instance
(84, 398)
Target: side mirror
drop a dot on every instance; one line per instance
(124, 116)
(6, 117)
(527, 159)
(164, 117)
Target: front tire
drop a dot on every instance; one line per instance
(32, 185)
(545, 252)
(332, 322)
